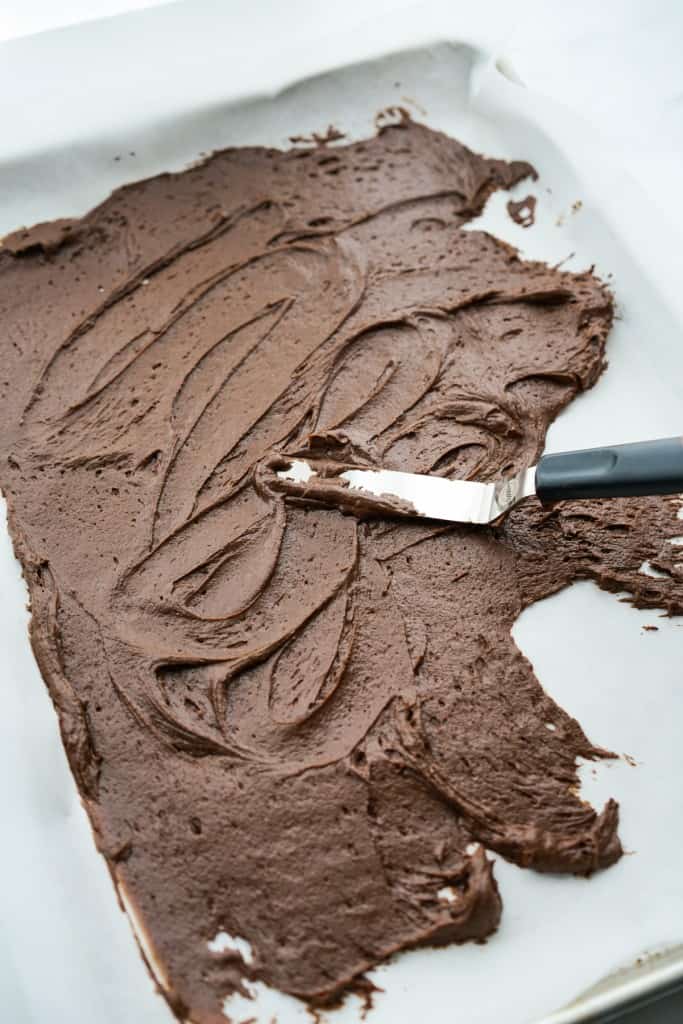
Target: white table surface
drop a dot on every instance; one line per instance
(618, 62)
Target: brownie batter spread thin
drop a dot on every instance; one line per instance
(286, 722)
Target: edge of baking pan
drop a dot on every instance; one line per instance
(651, 978)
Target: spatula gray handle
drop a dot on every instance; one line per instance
(620, 471)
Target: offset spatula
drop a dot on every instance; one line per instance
(626, 470)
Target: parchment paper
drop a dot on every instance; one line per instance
(166, 85)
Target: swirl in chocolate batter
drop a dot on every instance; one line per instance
(287, 722)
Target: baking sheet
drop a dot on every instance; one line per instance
(558, 935)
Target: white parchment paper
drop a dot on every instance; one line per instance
(167, 85)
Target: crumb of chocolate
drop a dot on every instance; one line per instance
(523, 212)
(331, 134)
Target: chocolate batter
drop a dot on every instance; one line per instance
(523, 212)
(286, 722)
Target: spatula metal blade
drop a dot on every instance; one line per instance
(425, 496)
